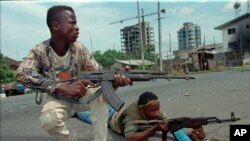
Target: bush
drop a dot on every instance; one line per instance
(6, 74)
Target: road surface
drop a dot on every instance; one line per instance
(210, 94)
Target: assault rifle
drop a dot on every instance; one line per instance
(188, 122)
(175, 124)
(105, 78)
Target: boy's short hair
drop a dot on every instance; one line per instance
(53, 13)
(147, 97)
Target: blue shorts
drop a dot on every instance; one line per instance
(85, 115)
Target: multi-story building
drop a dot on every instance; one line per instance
(189, 36)
(236, 40)
(236, 33)
(130, 38)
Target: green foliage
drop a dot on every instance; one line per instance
(109, 56)
(150, 57)
(146, 67)
(6, 75)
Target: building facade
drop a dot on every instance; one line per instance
(189, 36)
(130, 38)
(236, 40)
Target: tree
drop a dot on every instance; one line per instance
(6, 75)
(108, 57)
(149, 52)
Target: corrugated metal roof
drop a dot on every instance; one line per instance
(210, 46)
(135, 62)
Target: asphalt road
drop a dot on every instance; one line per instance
(210, 94)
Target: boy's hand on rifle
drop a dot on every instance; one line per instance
(162, 126)
(121, 80)
(198, 134)
(77, 88)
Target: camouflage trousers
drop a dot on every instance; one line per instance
(55, 112)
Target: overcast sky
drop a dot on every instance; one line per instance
(23, 23)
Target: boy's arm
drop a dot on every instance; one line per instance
(142, 135)
(28, 73)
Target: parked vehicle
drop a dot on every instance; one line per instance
(14, 88)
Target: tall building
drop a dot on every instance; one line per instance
(189, 36)
(130, 38)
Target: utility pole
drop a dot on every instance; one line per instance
(203, 54)
(248, 6)
(143, 29)
(91, 44)
(170, 51)
(141, 41)
(214, 42)
(241, 50)
(129, 48)
(138, 17)
(159, 31)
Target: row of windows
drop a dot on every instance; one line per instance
(189, 36)
(233, 30)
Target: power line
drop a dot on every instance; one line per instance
(141, 40)
(142, 16)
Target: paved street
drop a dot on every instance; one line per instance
(210, 94)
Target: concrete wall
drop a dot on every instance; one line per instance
(246, 60)
(241, 31)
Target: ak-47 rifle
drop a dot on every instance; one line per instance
(176, 124)
(188, 122)
(105, 78)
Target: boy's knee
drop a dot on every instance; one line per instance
(48, 119)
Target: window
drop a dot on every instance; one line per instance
(231, 31)
(233, 45)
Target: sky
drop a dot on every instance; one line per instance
(23, 23)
